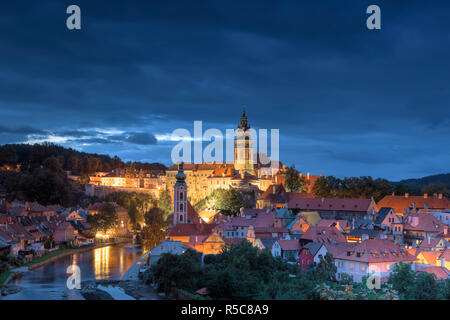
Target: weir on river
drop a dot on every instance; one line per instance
(49, 282)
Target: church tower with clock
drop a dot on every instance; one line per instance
(180, 202)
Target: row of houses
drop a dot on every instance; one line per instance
(26, 226)
(362, 238)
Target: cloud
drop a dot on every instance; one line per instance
(141, 138)
(20, 130)
(310, 69)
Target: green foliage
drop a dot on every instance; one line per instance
(294, 183)
(228, 201)
(402, 279)
(425, 287)
(31, 157)
(104, 220)
(436, 188)
(326, 268)
(165, 203)
(178, 271)
(363, 187)
(155, 227)
(44, 185)
(137, 204)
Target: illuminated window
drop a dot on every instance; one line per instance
(351, 266)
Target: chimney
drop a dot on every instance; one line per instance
(440, 196)
(425, 195)
(406, 195)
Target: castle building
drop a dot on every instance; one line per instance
(244, 173)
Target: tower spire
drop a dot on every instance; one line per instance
(244, 122)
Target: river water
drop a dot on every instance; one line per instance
(49, 282)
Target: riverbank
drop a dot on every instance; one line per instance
(117, 290)
(10, 275)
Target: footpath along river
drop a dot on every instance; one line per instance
(49, 281)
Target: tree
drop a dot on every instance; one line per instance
(155, 227)
(294, 183)
(425, 287)
(165, 203)
(228, 201)
(326, 269)
(402, 279)
(105, 220)
(436, 188)
(178, 271)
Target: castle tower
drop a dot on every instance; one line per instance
(180, 197)
(243, 148)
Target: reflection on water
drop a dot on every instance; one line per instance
(49, 281)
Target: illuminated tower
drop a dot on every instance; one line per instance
(180, 197)
(243, 149)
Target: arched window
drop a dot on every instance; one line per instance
(181, 217)
(181, 207)
(181, 195)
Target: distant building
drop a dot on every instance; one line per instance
(402, 204)
(371, 257)
(334, 208)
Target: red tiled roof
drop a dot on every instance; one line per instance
(279, 189)
(323, 234)
(400, 203)
(330, 222)
(439, 272)
(36, 207)
(375, 250)
(445, 254)
(430, 257)
(359, 205)
(289, 244)
(425, 222)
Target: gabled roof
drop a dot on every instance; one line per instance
(267, 242)
(283, 213)
(313, 247)
(382, 213)
(429, 243)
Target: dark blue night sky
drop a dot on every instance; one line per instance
(348, 101)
